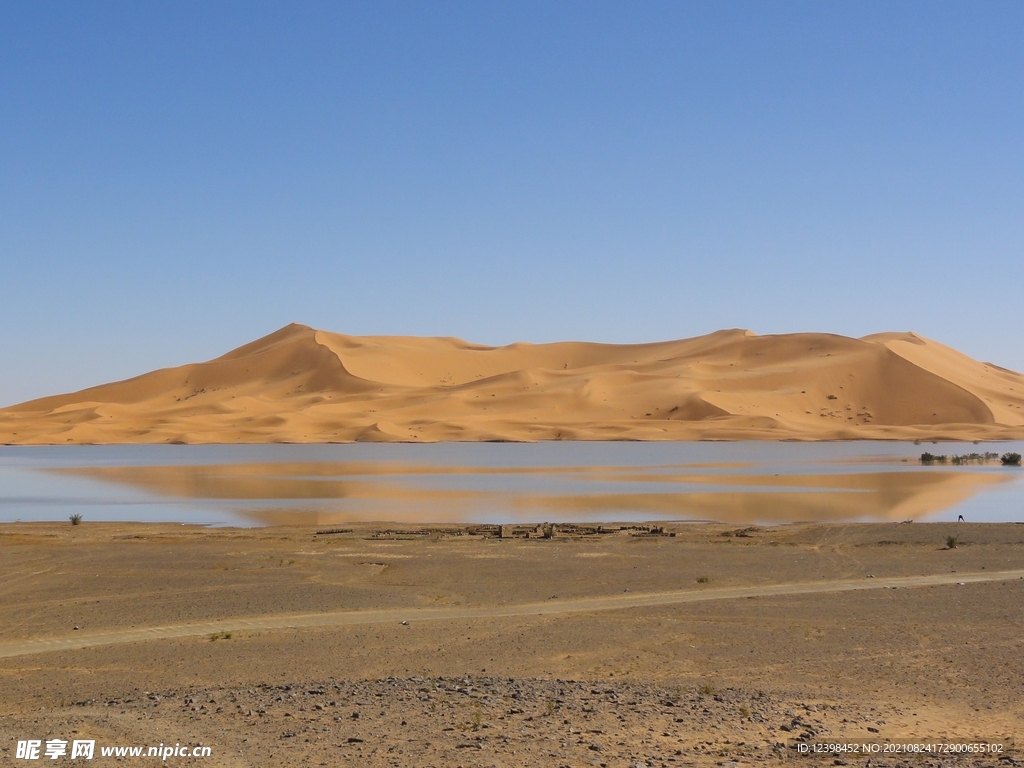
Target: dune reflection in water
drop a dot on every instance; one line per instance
(326, 492)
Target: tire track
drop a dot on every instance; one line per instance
(546, 608)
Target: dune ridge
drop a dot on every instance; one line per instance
(300, 384)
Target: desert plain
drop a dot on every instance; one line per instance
(453, 645)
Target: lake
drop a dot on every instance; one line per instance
(754, 483)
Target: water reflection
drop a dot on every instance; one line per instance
(321, 485)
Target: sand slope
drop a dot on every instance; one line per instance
(303, 385)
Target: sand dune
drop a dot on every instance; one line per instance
(303, 385)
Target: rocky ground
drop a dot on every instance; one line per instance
(743, 677)
(485, 721)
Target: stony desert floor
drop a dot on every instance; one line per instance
(446, 646)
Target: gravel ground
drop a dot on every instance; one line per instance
(486, 721)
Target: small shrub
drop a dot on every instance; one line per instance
(974, 458)
(1010, 459)
(706, 690)
(929, 458)
(703, 579)
(220, 636)
(951, 542)
(75, 519)
(744, 713)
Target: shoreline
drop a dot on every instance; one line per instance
(1014, 435)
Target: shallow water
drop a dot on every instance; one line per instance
(742, 482)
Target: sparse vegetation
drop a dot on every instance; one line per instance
(703, 579)
(220, 636)
(77, 518)
(959, 459)
(1010, 459)
(975, 458)
(951, 542)
(706, 690)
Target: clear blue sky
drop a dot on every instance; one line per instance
(179, 178)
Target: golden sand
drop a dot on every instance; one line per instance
(303, 385)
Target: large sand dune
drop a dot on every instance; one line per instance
(303, 385)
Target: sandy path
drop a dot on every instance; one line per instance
(546, 608)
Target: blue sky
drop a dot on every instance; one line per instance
(177, 179)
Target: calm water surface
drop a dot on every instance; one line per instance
(748, 482)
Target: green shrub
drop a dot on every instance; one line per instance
(75, 519)
(974, 458)
(951, 542)
(1010, 459)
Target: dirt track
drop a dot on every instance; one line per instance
(547, 608)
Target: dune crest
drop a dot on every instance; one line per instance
(299, 384)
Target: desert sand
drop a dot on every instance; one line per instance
(700, 644)
(303, 385)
